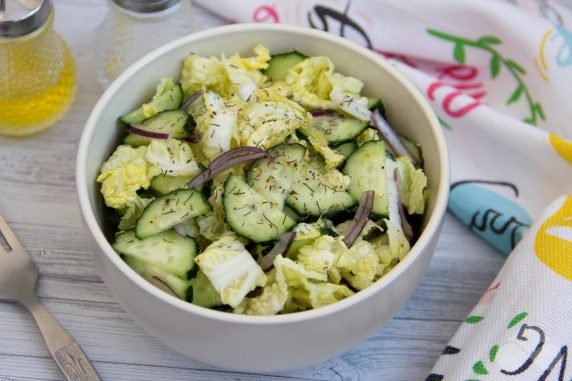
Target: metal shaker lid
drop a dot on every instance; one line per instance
(21, 17)
(146, 6)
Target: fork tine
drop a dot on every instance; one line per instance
(9, 236)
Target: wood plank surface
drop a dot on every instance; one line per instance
(38, 199)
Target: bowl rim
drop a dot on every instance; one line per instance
(88, 214)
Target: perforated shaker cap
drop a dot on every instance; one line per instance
(21, 17)
(146, 6)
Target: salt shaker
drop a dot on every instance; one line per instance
(37, 69)
(133, 28)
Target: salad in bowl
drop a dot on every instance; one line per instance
(263, 185)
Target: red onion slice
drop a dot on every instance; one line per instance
(280, 248)
(390, 137)
(407, 229)
(319, 113)
(147, 134)
(187, 103)
(228, 160)
(195, 137)
(237, 152)
(360, 219)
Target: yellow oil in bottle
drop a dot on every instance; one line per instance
(37, 81)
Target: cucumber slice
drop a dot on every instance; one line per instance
(166, 184)
(169, 210)
(251, 215)
(176, 123)
(169, 96)
(292, 214)
(167, 251)
(202, 293)
(346, 149)
(335, 128)
(280, 64)
(366, 169)
(311, 192)
(158, 277)
(413, 148)
(272, 179)
(134, 117)
(136, 140)
(376, 104)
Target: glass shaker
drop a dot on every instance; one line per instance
(133, 28)
(37, 69)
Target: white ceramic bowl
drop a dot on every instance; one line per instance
(262, 343)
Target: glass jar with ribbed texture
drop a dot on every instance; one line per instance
(37, 69)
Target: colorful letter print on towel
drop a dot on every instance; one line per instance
(498, 220)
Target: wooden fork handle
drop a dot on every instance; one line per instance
(72, 361)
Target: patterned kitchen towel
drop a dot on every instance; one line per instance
(498, 73)
(521, 329)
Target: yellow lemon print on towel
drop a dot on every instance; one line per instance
(553, 241)
(562, 146)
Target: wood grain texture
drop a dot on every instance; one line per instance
(37, 198)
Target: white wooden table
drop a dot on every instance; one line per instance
(38, 199)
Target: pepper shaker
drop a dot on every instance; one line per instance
(133, 28)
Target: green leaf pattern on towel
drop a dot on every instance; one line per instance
(474, 319)
(517, 319)
(479, 368)
(498, 61)
(493, 353)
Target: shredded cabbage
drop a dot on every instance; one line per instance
(150, 109)
(306, 233)
(205, 73)
(271, 301)
(323, 294)
(398, 243)
(322, 254)
(270, 119)
(171, 157)
(315, 85)
(411, 182)
(359, 264)
(307, 288)
(212, 226)
(368, 228)
(125, 172)
(310, 82)
(386, 258)
(320, 144)
(227, 76)
(216, 123)
(231, 269)
(350, 103)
